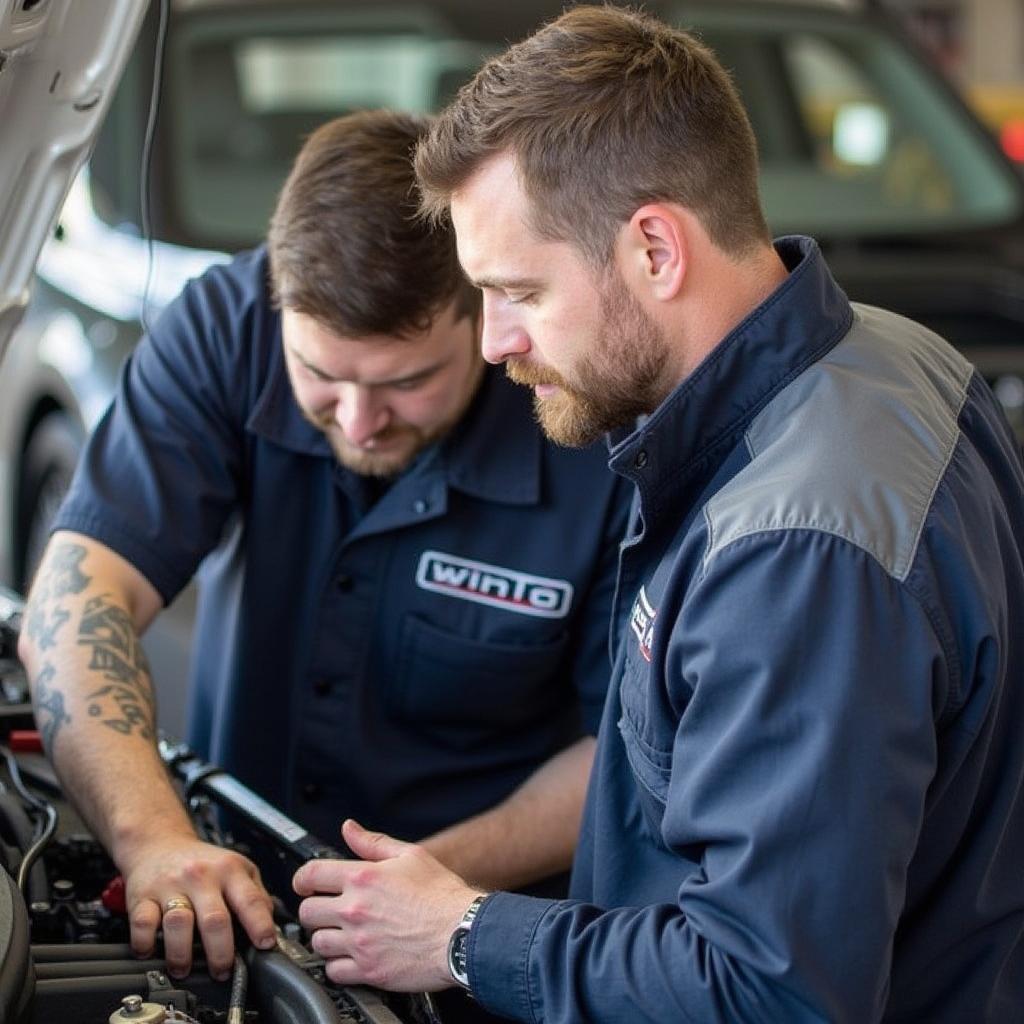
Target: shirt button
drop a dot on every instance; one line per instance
(321, 687)
(344, 582)
(419, 506)
(311, 790)
(641, 459)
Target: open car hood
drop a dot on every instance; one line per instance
(60, 61)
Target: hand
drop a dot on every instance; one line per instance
(215, 882)
(391, 914)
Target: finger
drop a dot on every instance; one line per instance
(343, 970)
(214, 922)
(178, 925)
(253, 907)
(330, 942)
(371, 845)
(318, 876)
(144, 920)
(318, 912)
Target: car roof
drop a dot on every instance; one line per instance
(59, 63)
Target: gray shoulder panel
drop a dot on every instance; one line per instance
(855, 446)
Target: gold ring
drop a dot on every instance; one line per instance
(178, 903)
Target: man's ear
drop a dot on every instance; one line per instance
(653, 247)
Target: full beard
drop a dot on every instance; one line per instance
(621, 380)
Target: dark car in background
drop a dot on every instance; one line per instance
(863, 145)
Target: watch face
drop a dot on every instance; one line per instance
(457, 956)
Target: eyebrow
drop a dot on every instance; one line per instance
(408, 378)
(509, 283)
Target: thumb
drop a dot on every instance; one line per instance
(370, 845)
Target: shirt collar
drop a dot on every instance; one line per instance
(275, 414)
(493, 452)
(699, 423)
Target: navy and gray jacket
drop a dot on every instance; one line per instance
(807, 802)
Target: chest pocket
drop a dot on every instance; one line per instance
(649, 760)
(450, 680)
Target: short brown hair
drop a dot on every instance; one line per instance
(346, 244)
(604, 109)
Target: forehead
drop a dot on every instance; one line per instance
(490, 216)
(374, 357)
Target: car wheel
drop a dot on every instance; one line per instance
(49, 463)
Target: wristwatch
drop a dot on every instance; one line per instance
(458, 944)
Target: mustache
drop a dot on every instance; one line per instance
(520, 372)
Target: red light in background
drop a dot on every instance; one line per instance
(1011, 138)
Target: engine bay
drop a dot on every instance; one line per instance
(65, 956)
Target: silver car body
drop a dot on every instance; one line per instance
(60, 61)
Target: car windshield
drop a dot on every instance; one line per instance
(855, 138)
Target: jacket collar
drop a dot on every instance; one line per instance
(688, 436)
(493, 453)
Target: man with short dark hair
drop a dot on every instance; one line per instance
(808, 797)
(404, 615)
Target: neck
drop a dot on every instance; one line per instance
(720, 293)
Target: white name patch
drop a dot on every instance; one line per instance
(514, 591)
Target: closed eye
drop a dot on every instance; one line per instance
(317, 374)
(410, 385)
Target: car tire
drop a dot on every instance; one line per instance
(47, 468)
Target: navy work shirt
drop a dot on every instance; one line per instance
(807, 802)
(408, 661)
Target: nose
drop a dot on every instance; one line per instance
(359, 414)
(502, 337)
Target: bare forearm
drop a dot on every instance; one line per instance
(93, 697)
(529, 836)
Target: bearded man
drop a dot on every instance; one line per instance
(808, 797)
(405, 603)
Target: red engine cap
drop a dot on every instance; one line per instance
(113, 896)
(25, 741)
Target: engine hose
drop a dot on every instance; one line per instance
(64, 952)
(19, 828)
(33, 853)
(96, 968)
(276, 980)
(239, 984)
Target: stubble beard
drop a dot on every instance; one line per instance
(383, 465)
(387, 465)
(619, 381)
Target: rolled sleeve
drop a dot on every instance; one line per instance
(159, 476)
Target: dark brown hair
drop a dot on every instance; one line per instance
(604, 109)
(346, 244)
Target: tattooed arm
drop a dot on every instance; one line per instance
(96, 712)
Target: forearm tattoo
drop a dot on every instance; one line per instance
(49, 704)
(126, 704)
(59, 576)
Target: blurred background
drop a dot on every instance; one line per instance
(980, 45)
(891, 131)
